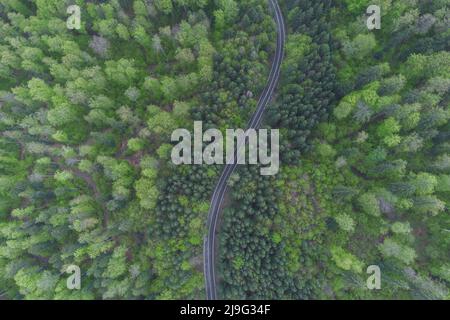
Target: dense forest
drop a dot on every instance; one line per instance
(86, 117)
(365, 177)
(86, 177)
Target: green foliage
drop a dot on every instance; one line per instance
(390, 248)
(369, 204)
(345, 222)
(85, 165)
(346, 260)
(85, 171)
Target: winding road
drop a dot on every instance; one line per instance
(221, 187)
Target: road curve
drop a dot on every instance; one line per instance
(221, 187)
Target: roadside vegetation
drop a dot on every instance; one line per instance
(365, 177)
(86, 177)
(86, 117)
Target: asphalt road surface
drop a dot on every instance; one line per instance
(221, 187)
